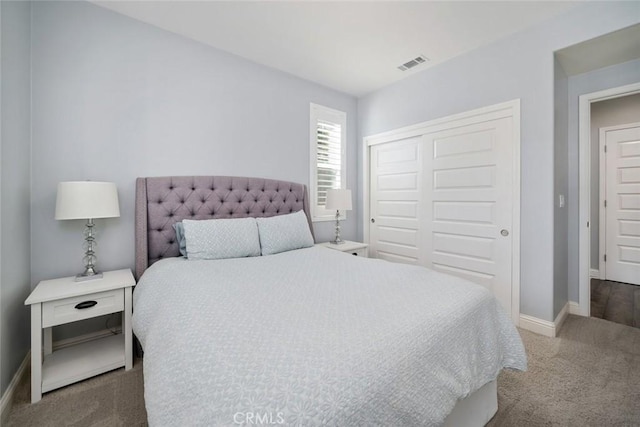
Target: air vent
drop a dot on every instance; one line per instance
(413, 63)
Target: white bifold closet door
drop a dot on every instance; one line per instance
(444, 200)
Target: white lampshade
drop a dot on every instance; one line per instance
(87, 200)
(338, 200)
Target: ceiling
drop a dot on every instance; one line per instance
(609, 49)
(351, 46)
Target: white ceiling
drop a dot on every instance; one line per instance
(352, 46)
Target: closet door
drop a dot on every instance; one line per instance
(468, 175)
(444, 194)
(396, 188)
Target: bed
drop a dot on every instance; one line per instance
(304, 337)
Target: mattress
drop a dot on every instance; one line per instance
(314, 337)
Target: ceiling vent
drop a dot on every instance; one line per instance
(413, 63)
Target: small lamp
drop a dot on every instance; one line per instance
(87, 200)
(340, 200)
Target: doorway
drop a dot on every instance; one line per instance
(612, 261)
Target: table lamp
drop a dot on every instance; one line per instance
(340, 200)
(87, 200)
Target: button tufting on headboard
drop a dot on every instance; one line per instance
(163, 201)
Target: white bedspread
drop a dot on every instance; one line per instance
(314, 337)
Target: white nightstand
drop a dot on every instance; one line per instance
(59, 301)
(354, 248)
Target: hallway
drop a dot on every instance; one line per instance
(617, 302)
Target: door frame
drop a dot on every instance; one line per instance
(602, 223)
(505, 109)
(584, 206)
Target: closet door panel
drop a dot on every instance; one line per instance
(396, 187)
(467, 174)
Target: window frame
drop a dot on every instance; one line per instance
(320, 112)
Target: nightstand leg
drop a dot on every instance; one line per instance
(36, 352)
(126, 330)
(48, 340)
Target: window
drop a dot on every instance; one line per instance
(328, 157)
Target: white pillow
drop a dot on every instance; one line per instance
(221, 238)
(284, 233)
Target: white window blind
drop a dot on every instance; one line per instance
(328, 157)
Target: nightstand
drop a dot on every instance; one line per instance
(59, 301)
(354, 248)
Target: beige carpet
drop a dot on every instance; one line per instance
(112, 399)
(589, 376)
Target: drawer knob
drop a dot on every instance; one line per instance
(86, 304)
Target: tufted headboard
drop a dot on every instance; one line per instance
(163, 201)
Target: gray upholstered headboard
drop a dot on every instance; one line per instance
(163, 201)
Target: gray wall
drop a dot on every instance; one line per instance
(560, 185)
(594, 81)
(114, 99)
(618, 111)
(15, 282)
(519, 66)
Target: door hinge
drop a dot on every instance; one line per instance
(605, 203)
(605, 148)
(587, 224)
(605, 257)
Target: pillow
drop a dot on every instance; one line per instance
(284, 233)
(182, 242)
(221, 238)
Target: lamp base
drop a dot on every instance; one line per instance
(87, 277)
(90, 258)
(337, 240)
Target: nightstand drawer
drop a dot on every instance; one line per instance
(82, 307)
(348, 247)
(359, 252)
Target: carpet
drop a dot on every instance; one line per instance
(112, 399)
(588, 376)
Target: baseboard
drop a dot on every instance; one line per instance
(539, 326)
(544, 327)
(560, 318)
(594, 273)
(7, 398)
(574, 308)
